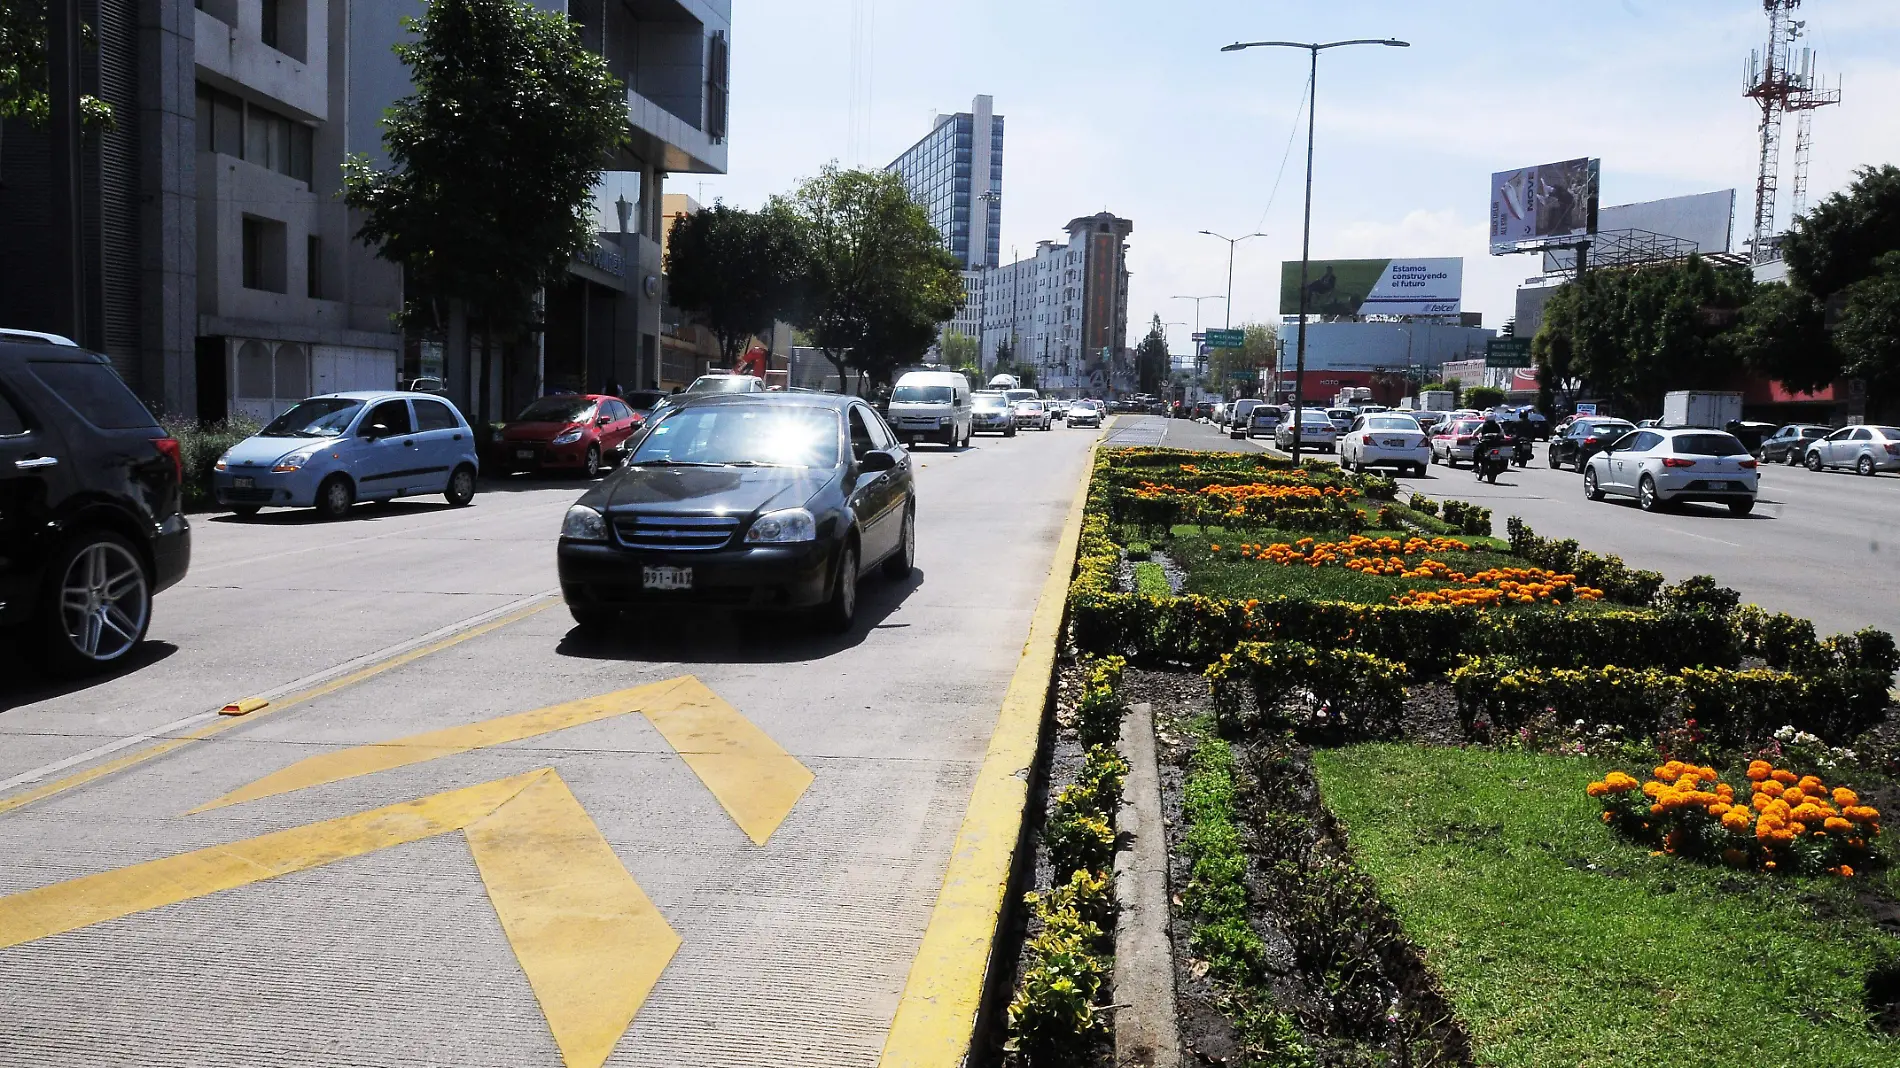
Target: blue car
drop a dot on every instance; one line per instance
(331, 451)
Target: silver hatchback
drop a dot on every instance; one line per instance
(1661, 467)
(1866, 449)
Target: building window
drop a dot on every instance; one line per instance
(283, 26)
(313, 266)
(254, 134)
(717, 95)
(263, 254)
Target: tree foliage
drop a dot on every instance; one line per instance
(1782, 336)
(879, 279)
(1260, 348)
(23, 67)
(1483, 397)
(1151, 359)
(494, 155)
(736, 272)
(1869, 333)
(1841, 239)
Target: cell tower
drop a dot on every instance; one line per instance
(1781, 80)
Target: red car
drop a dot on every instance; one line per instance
(573, 433)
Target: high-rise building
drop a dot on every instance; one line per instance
(956, 173)
(1064, 310)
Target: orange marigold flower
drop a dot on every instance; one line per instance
(1720, 808)
(1844, 871)
(1794, 795)
(1773, 788)
(1784, 777)
(1845, 797)
(1655, 810)
(1596, 789)
(1735, 819)
(1759, 770)
(1619, 782)
(1837, 825)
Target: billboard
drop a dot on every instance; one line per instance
(1550, 202)
(1708, 219)
(1375, 287)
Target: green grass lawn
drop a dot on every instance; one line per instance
(1226, 574)
(1561, 944)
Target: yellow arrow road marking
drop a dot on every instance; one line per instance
(753, 778)
(590, 942)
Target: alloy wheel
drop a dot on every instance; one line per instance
(104, 601)
(1865, 466)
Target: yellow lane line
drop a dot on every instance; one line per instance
(936, 1016)
(278, 704)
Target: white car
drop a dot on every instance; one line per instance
(1386, 439)
(1316, 431)
(1661, 467)
(1032, 414)
(1085, 413)
(1866, 449)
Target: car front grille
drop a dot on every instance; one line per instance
(675, 533)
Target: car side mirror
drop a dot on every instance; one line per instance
(603, 420)
(878, 460)
(376, 430)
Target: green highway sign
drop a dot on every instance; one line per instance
(1226, 339)
(1507, 352)
(1245, 375)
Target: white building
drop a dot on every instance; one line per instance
(1064, 310)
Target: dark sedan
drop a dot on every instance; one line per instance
(762, 501)
(1789, 445)
(1583, 438)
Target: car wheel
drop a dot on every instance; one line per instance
(590, 466)
(842, 610)
(461, 486)
(592, 618)
(1646, 495)
(96, 605)
(1814, 460)
(335, 497)
(1864, 466)
(1010, 433)
(1591, 491)
(901, 563)
(245, 511)
(1791, 459)
(1741, 507)
(1434, 457)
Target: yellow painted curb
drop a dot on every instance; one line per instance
(937, 1013)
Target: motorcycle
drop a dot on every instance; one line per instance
(1490, 461)
(1522, 453)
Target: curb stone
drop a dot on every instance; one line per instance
(1145, 1030)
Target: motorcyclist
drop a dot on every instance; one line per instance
(1490, 433)
(1522, 432)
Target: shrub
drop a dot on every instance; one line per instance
(1552, 638)
(1468, 518)
(1053, 1018)
(1619, 582)
(1151, 581)
(1079, 841)
(1099, 711)
(1422, 503)
(1507, 695)
(200, 446)
(1097, 789)
(1356, 694)
(1699, 593)
(1389, 518)
(1217, 872)
(1089, 895)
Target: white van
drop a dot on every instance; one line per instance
(932, 406)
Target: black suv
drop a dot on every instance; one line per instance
(90, 520)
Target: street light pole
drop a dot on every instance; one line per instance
(1231, 242)
(1306, 238)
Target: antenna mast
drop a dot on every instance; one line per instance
(1782, 79)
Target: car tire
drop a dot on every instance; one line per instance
(104, 571)
(842, 609)
(335, 497)
(1864, 467)
(590, 465)
(246, 511)
(461, 489)
(1814, 461)
(1646, 497)
(1740, 508)
(593, 618)
(1434, 457)
(1791, 459)
(900, 564)
(1010, 433)
(1591, 490)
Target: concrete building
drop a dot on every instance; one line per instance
(223, 274)
(1064, 310)
(956, 173)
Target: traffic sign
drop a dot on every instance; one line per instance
(1226, 339)
(1507, 352)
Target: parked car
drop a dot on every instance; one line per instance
(1661, 467)
(1240, 418)
(1751, 434)
(1453, 439)
(1866, 449)
(1789, 445)
(1585, 436)
(1085, 413)
(723, 383)
(771, 502)
(990, 413)
(1203, 409)
(1032, 414)
(1316, 431)
(332, 451)
(582, 434)
(91, 523)
(1385, 439)
(932, 406)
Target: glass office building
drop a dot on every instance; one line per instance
(956, 173)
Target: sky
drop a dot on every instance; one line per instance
(1133, 108)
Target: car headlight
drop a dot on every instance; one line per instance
(783, 527)
(584, 524)
(293, 462)
(568, 437)
(224, 463)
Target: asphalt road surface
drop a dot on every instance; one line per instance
(1824, 546)
(463, 834)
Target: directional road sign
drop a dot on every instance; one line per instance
(1226, 339)
(1507, 352)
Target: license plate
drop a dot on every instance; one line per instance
(1727, 486)
(524, 454)
(667, 578)
(244, 483)
(1395, 443)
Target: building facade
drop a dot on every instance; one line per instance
(1064, 310)
(222, 271)
(956, 173)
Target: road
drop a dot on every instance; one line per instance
(1825, 546)
(463, 834)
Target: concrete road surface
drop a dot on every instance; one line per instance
(462, 834)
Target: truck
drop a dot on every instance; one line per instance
(1352, 397)
(1437, 400)
(1705, 408)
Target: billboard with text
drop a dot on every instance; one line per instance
(1375, 287)
(1550, 202)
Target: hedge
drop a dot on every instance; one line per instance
(1618, 581)
(1359, 695)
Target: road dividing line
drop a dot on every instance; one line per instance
(937, 1013)
(308, 688)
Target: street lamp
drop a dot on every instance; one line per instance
(1231, 242)
(1306, 239)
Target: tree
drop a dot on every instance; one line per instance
(1869, 333)
(1005, 351)
(1483, 397)
(736, 272)
(959, 349)
(23, 70)
(495, 156)
(880, 280)
(1259, 348)
(1782, 336)
(1151, 359)
(1838, 242)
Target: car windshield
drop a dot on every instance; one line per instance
(749, 434)
(727, 384)
(324, 417)
(923, 395)
(1391, 423)
(557, 410)
(1708, 445)
(991, 400)
(1029, 405)
(1604, 430)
